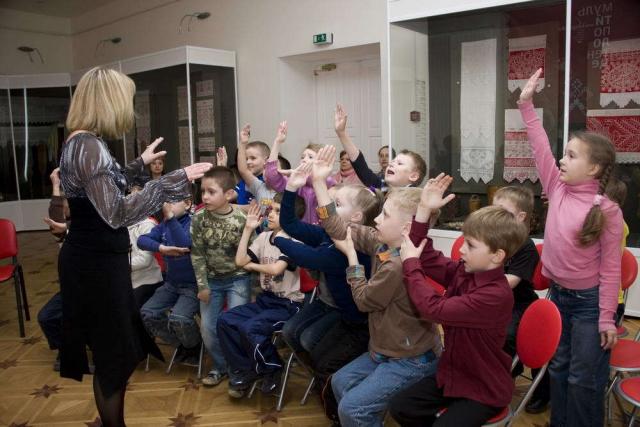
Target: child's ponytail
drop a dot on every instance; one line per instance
(603, 154)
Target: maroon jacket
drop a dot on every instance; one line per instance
(474, 312)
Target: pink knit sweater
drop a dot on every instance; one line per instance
(565, 261)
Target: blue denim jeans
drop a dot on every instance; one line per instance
(309, 325)
(580, 368)
(169, 314)
(235, 291)
(364, 387)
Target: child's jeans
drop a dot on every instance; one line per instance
(169, 314)
(235, 291)
(364, 387)
(304, 330)
(580, 368)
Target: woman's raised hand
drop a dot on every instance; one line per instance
(149, 155)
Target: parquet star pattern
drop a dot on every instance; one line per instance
(33, 395)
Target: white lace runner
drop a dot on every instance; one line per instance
(620, 73)
(526, 55)
(519, 163)
(478, 110)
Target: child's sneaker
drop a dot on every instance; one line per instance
(271, 382)
(213, 378)
(241, 382)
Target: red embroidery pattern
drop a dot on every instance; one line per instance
(518, 159)
(620, 72)
(523, 63)
(624, 131)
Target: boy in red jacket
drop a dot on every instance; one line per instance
(473, 379)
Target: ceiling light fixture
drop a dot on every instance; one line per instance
(196, 15)
(29, 50)
(113, 40)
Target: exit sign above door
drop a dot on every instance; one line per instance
(323, 38)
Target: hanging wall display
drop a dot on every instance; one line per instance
(620, 73)
(519, 163)
(183, 103)
(206, 144)
(526, 55)
(204, 88)
(478, 110)
(622, 127)
(183, 143)
(204, 115)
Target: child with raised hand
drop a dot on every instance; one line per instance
(276, 179)
(473, 379)
(407, 169)
(332, 329)
(403, 348)
(252, 158)
(582, 258)
(245, 331)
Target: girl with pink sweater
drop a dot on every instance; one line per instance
(582, 258)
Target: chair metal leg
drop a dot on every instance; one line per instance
(173, 358)
(201, 357)
(608, 396)
(308, 391)
(23, 290)
(632, 418)
(146, 364)
(16, 282)
(283, 383)
(252, 389)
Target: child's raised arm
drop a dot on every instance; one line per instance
(243, 169)
(545, 162)
(252, 222)
(272, 175)
(309, 234)
(364, 173)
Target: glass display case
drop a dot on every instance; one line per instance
(186, 95)
(462, 74)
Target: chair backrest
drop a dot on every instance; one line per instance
(539, 333)
(307, 283)
(8, 239)
(455, 249)
(539, 282)
(629, 269)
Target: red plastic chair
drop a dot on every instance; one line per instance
(539, 282)
(629, 390)
(455, 249)
(628, 276)
(625, 356)
(534, 349)
(9, 249)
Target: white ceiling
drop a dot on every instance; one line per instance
(60, 8)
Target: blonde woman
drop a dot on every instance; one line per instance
(99, 309)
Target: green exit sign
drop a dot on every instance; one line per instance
(323, 38)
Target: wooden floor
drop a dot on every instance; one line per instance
(32, 394)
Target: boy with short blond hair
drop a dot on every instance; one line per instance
(215, 235)
(473, 380)
(403, 348)
(252, 158)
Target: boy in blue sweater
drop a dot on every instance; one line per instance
(332, 329)
(169, 313)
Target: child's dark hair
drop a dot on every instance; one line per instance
(299, 207)
(283, 162)
(617, 191)
(223, 176)
(603, 154)
(521, 196)
(262, 146)
(393, 151)
(419, 165)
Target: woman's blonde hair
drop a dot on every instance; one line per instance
(102, 103)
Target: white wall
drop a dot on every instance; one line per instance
(51, 35)
(402, 10)
(261, 32)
